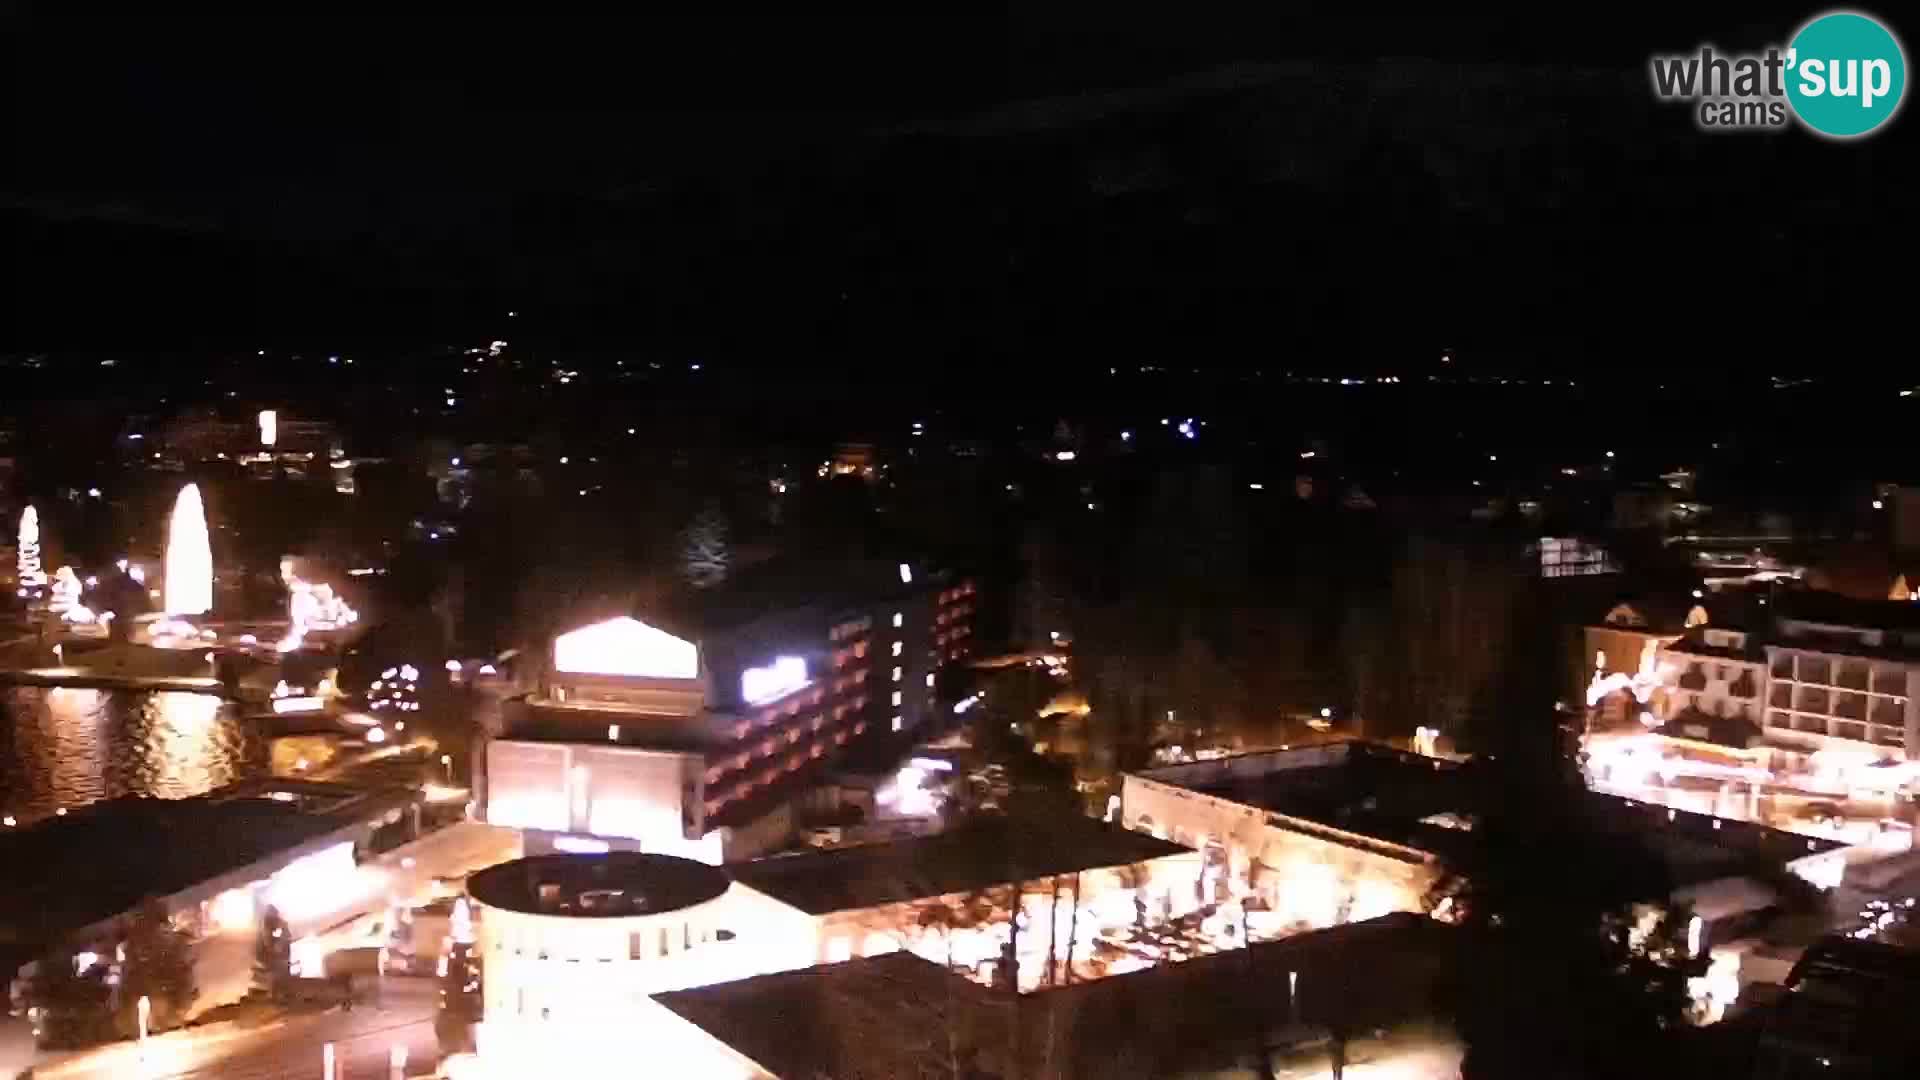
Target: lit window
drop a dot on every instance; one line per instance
(896, 723)
(898, 620)
(896, 699)
(896, 674)
(897, 646)
(839, 949)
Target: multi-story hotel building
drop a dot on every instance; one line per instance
(692, 733)
(1819, 684)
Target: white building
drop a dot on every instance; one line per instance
(572, 947)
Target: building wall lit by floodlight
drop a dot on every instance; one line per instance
(573, 939)
(626, 647)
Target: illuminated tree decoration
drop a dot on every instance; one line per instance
(66, 591)
(30, 576)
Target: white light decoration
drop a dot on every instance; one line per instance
(311, 607)
(29, 573)
(460, 923)
(66, 592)
(189, 585)
(300, 705)
(628, 647)
(269, 427)
(1642, 683)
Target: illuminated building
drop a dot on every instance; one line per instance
(1351, 830)
(892, 1015)
(692, 733)
(288, 843)
(829, 906)
(576, 938)
(1818, 679)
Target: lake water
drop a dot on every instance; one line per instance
(65, 747)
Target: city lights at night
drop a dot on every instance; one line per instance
(1307, 542)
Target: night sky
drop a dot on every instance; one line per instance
(961, 193)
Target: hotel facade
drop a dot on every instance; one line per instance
(694, 733)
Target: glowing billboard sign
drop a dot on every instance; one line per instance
(625, 646)
(780, 678)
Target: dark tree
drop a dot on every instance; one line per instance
(460, 997)
(1560, 976)
(158, 966)
(705, 557)
(68, 1009)
(272, 955)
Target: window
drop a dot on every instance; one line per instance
(633, 945)
(896, 674)
(897, 647)
(896, 723)
(896, 699)
(929, 679)
(666, 943)
(898, 621)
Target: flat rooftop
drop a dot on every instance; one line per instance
(97, 861)
(616, 884)
(982, 854)
(1428, 804)
(891, 1015)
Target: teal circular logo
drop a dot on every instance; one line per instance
(1845, 74)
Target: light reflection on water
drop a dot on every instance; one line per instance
(67, 747)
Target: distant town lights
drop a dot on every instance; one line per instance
(1065, 455)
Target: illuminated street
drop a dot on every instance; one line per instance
(363, 1038)
(224, 962)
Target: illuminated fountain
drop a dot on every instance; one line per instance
(189, 585)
